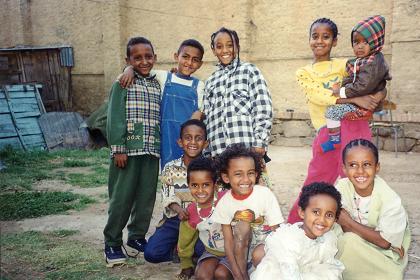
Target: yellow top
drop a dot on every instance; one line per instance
(316, 80)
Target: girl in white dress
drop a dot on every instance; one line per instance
(305, 250)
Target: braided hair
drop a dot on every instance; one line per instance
(362, 143)
(328, 22)
(233, 36)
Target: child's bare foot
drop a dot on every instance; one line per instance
(185, 274)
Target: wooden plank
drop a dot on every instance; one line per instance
(28, 126)
(35, 142)
(12, 141)
(24, 105)
(7, 127)
(14, 119)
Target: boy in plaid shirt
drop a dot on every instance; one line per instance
(133, 135)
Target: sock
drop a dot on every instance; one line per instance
(334, 137)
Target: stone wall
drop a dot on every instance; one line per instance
(273, 35)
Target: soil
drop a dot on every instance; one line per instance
(287, 171)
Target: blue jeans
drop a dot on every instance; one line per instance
(161, 245)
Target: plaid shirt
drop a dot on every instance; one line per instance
(238, 107)
(142, 107)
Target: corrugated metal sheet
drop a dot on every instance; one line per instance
(20, 108)
(66, 57)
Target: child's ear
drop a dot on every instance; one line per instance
(206, 144)
(378, 167)
(176, 56)
(343, 166)
(301, 213)
(225, 178)
(155, 57)
(127, 60)
(179, 141)
(334, 42)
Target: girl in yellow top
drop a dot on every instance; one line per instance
(316, 80)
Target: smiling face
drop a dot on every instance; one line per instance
(141, 58)
(241, 175)
(361, 47)
(321, 41)
(189, 60)
(202, 187)
(192, 141)
(360, 167)
(224, 48)
(319, 216)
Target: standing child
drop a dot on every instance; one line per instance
(237, 104)
(376, 234)
(182, 95)
(134, 138)
(316, 80)
(213, 264)
(305, 250)
(176, 195)
(367, 73)
(248, 212)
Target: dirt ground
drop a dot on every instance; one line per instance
(287, 171)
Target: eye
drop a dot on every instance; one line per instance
(251, 173)
(367, 165)
(199, 138)
(196, 60)
(316, 212)
(330, 216)
(194, 186)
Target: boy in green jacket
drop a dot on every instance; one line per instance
(133, 135)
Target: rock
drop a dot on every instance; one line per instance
(292, 142)
(297, 129)
(389, 144)
(277, 128)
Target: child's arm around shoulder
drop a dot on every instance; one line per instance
(116, 126)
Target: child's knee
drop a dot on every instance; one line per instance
(222, 273)
(202, 274)
(257, 255)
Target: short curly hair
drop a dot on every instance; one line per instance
(202, 164)
(316, 188)
(235, 151)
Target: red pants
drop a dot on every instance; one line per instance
(326, 167)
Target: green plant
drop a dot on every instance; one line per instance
(19, 205)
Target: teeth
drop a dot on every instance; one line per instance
(360, 179)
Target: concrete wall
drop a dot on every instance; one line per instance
(273, 35)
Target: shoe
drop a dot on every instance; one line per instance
(114, 256)
(134, 247)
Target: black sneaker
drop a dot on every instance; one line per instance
(114, 256)
(134, 247)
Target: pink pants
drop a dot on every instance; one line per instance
(326, 167)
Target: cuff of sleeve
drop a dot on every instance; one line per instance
(118, 149)
(343, 92)
(259, 143)
(186, 263)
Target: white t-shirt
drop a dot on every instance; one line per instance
(262, 202)
(161, 76)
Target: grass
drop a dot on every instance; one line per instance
(20, 205)
(23, 169)
(54, 255)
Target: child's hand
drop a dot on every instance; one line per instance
(336, 89)
(183, 215)
(197, 115)
(185, 274)
(120, 160)
(174, 70)
(259, 150)
(127, 77)
(344, 220)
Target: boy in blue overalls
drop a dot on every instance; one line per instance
(182, 96)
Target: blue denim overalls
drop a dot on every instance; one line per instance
(178, 104)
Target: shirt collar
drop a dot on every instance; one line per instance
(232, 65)
(138, 76)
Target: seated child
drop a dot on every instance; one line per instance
(213, 264)
(376, 235)
(247, 212)
(367, 74)
(133, 135)
(182, 95)
(176, 195)
(305, 250)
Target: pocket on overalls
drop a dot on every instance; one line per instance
(135, 136)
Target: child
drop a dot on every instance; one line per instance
(237, 103)
(176, 195)
(182, 95)
(133, 135)
(315, 80)
(367, 73)
(248, 212)
(376, 235)
(305, 250)
(213, 264)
